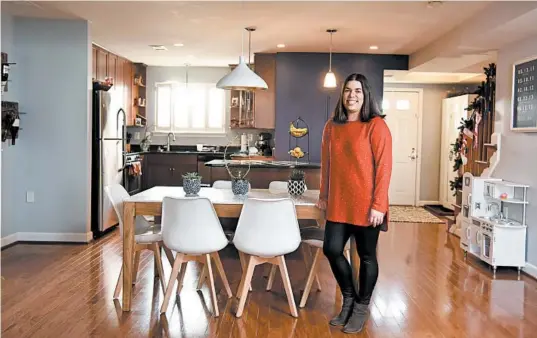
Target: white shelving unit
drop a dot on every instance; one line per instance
(494, 229)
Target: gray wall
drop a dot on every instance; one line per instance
(52, 155)
(518, 160)
(157, 74)
(433, 94)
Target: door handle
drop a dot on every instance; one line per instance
(413, 155)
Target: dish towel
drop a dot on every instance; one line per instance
(135, 169)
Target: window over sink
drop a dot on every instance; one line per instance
(193, 108)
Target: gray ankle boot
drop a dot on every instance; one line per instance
(357, 320)
(346, 311)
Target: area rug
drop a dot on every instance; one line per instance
(406, 214)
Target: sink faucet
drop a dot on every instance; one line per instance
(168, 144)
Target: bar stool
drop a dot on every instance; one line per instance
(191, 228)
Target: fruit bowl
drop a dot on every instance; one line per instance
(296, 152)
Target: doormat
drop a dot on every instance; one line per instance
(438, 210)
(406, 214)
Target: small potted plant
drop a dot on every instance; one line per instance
(191, 183)
(296, 185)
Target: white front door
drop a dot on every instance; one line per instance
(402, 116)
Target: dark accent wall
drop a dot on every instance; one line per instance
(300, 92)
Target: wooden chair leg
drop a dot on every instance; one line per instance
(168, 253)
(245, 282)
(158, 264)
(211, 283)
(181, 278)
(306, 254)
(222, 273)
(203, 276)
(287, 286)
(309, 281)
(272, 275)
(175, 271)
(119, 284)
(242, 258)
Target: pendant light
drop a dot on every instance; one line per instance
(242, 77)
(330, 77)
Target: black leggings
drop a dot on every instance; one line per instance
(335, 237)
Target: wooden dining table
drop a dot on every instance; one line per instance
(226, 204)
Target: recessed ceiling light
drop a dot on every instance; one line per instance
(178, 44)
(374, 47)
(158, 47)
(280, 45)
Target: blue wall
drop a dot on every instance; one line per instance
(300, 92)
(52, 155)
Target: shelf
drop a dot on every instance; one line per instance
(512, 200)
(511, 184)
(481, 162)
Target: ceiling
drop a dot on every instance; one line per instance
(211, 31)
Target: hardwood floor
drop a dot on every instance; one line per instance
(425, 289)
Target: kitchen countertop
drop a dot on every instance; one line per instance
(184, 152)
(263, 164)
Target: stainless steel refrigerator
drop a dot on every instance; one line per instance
(107, 155)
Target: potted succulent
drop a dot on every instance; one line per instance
(191, 183)
(296, 185)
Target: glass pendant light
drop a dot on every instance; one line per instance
(242, 77)
(330, 77)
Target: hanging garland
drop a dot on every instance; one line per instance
(480, 107)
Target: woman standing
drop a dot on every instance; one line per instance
(356, 165)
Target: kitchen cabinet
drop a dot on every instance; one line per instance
(106, 64)
(167, 169)
(256, 109)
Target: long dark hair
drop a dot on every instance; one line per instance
(370, 108)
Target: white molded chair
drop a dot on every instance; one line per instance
(314, 239)
(190, 226)
(267, 240)
(146, 237)
(221, 184)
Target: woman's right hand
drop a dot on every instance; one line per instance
(321, 203)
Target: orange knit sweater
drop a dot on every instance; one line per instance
(356, 167)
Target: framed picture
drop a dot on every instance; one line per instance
(524, 97)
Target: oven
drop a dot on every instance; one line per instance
(132, 174)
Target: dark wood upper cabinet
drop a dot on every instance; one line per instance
(102, 64)
(265, 100)
(106, 64)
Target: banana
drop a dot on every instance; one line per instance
(297, 132)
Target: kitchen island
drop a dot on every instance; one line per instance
(263, 172)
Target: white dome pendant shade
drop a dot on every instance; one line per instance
(242, 78)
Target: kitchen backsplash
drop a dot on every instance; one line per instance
(232, 137)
